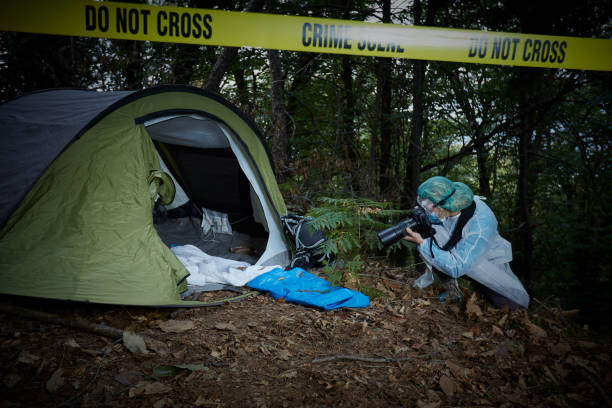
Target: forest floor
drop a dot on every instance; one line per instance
(405, 349)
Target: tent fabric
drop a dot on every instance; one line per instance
(41, 124)
(76, 216)
(92, 238)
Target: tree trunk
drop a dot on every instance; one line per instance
(384, 90)
(280, 139)
(484, 175)
(280, 148)
(526, 128)
(348, 124)
(242, 90)
(301, 77)
(413, 159)
(213, 83)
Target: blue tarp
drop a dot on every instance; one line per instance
(301, 287)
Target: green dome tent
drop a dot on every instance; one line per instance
(83, 172)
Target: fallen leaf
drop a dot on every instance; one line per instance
(468, 334)
(457, 370)
(72, 343)
(138, 389)
(226, 326)
(176, 326)
(421, 302)
(472, 307)
(156, 388)
(79, 370)
(560, 349)
(535, 330)
(496, 331)
(157, 346)
(28, 358)
(56, 381)
(202, 400)
(134, 343)
(284, 355)
(389, 326)
(160, 403)
(447, 385)
(490, 353)
(289, 374)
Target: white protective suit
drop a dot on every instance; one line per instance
(481, 253)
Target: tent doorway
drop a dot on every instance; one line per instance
(202, 157)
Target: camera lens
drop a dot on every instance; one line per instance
(396, 232)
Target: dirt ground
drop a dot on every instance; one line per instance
(406, 349)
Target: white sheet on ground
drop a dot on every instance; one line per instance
(206, 269)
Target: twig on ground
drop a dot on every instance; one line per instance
(352, 357)
(552, 312)
(76, 322)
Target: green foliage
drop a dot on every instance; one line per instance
(371, 292)
(351, 226)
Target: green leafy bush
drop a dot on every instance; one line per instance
(351, 226)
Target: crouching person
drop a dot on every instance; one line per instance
(466, 243)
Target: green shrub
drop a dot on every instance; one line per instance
(351, 226)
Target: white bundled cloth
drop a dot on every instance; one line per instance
(206, 269)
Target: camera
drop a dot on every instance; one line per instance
(418, 221)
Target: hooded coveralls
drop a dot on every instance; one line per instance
(481, 254)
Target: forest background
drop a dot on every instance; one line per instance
(535, 142)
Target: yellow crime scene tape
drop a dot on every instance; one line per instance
(240, 29)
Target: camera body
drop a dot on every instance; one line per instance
(418, 221)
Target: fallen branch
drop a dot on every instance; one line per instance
(76, 322)
(82, 324)
(351, 357)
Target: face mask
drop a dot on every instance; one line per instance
(433, 217)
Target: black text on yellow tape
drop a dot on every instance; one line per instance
(224, 28)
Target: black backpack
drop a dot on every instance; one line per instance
(306, 241)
